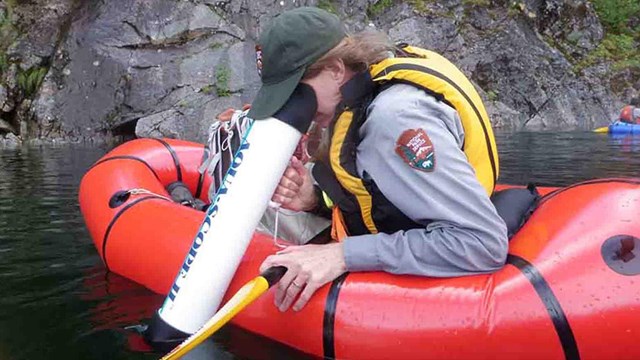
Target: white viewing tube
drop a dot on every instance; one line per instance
(229, 224)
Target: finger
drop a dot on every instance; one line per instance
(280, 288)
(274, 204)
(289, 204)
(292, 174)
(270, 261)
(281, 198)
(277, 199)
(299, 167)
(305, 296)
(289, 184)
(286, 194)
(226, 115)
(283, 285)
(246, 107)
(295, 287)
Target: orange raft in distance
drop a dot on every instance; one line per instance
(570, 288)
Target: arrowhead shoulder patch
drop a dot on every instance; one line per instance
(416, 149)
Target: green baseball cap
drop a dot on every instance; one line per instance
(293, 40)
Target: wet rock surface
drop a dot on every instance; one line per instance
(89, 71)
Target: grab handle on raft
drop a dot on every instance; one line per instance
(245, 296)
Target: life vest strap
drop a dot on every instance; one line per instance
(338, 227)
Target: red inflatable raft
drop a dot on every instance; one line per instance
(570, 288)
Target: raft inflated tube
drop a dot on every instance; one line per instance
(623, 128)
(571, 277)
(232, 218)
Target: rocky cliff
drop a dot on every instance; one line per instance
(94, 70)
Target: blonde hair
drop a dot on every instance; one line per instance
(357, 51)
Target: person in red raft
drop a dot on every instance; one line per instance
(630, 114)
(409, 170)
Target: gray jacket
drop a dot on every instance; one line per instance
(466, 235)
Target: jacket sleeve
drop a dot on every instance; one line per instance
(462, 233)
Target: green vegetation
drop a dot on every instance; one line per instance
(30, 80)
(420, 5)
(476, 2)
(560, 46)
(112, 117)
(4, 62)
(615, 14)
(621, 49)
(8, 31)
(222, 81)
(574, 37)
(8, 34)
(471, 5)
(207, 89)
(379, 7)
(621, 44)
(327, 5)
(492, 95)
(515, 8)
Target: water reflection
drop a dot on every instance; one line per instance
(625, 143)
(119, 305)
(558, 159)
(58, 301)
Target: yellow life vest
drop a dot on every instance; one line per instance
(439, 77)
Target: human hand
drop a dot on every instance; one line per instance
(308, 268)
(228, 114)
(295, 190)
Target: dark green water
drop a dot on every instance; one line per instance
(57, 301)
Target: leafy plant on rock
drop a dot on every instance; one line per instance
(30, 80)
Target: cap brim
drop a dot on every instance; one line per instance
(271, 97)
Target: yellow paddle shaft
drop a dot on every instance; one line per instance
(245, 296)
(602, 130)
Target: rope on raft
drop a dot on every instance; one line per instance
(221, 143)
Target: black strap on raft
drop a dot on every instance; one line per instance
(551, 303)
(329, 319)
(174, 156)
